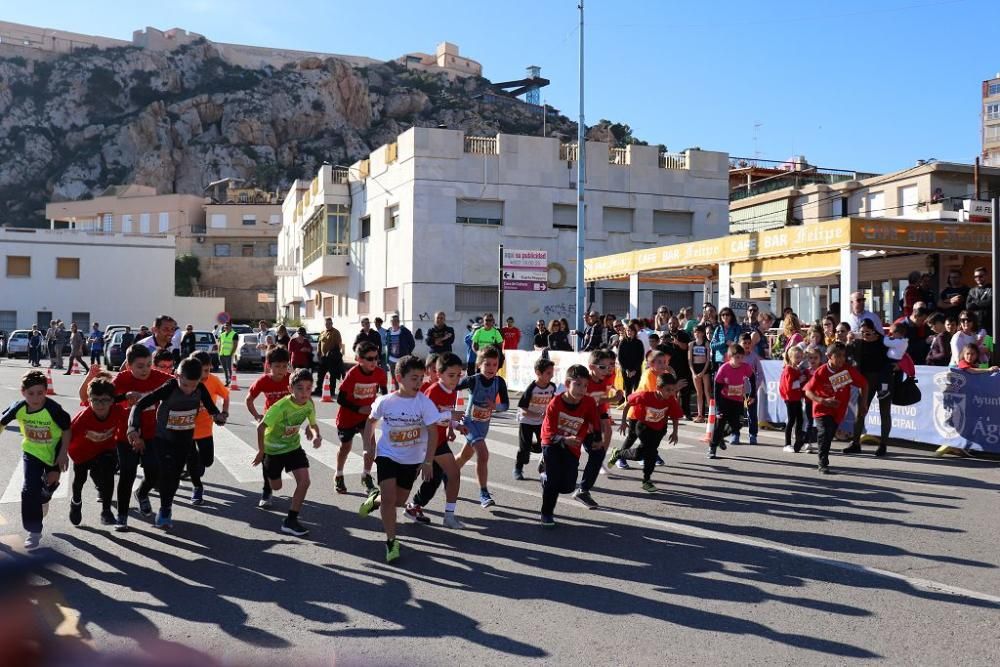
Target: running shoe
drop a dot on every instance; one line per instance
(825, 470)
(711, 453)
(753, 440)
(339, 485)
(649, 487)
(121, 524)
(722, 444)
(75, 512)
(292, 526)
(392, 551)
(812, 449)
(853, 448)
(615, 456)
(485, 499)
(659, 460)
(451, 521)
(583, 497)
(369, 483)
(415, 513)
(881, 451)
(734, 439)
(32, 541)
(145, 508)
(548, 521)
(265, 501)
(107, 518)
(788, 449)
(519, 474)
(163, 520)
(369, 505)
(622, 464)
(198, 495)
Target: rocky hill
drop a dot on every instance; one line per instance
(178, 120)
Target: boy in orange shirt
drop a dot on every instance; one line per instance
(203, 453)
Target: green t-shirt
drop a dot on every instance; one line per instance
(283, 421)
(481, 338)
(41, 431)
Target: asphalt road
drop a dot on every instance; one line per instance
(749, 559)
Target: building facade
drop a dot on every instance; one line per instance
(86, 277)
(417, 226)
(990, 114)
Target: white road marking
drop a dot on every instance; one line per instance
(13, 492)
(236, 456)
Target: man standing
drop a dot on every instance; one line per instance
(127, 338)
(162, 336)
(368, 335)
(859, 314)
(399, 343)
(96, 342)
(76, 342)
(593, 335)
(980, 299)
(262, 334)
(953, 297)
(227, 347)
(511, 335)
(440, 337)
(52, 344)
(301, 350)
(331, 357)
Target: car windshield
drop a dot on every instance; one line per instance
(18, 334)
(204, 338)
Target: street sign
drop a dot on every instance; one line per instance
(524, 270)
(265, 297)
(222, 317)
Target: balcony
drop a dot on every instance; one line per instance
(618, 156)
(339, 175)
(330, 266)
(482, 145)
(673, 161)
(568, 152)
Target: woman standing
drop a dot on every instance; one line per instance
(710, 318)
(791, 332)
(558, 342)
(869, 353)
(631, 353)
(282, 338)
(727, 333)
(967, 334)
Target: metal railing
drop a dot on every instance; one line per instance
(618, 156)
(339, 175)
(673, 161)
(481, 145)
(568, 152)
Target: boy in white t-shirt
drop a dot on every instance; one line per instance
(406, 445)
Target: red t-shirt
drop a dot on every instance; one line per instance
(598, 390)
(91, 436)
(570, 421)
(963, 364)
(511, 337)
(273, 390)
(359, 389)
(653, 410)
(791, 384)
(445, 402)
(301, 350)
(125, 382)
(732, 380)
(828, 383)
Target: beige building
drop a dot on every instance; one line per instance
(991, 121)
(445, 59)
(233, 233)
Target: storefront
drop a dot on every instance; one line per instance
(806, 267)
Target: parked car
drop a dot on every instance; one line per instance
(242, 328)
(247, 354)
(17, 344)
(205, 342)
(114, 355)
(110, 330)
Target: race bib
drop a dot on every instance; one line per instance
(481, 413)
(363, 392)
(655, 415)
(291, 430)
(182, 420)
(538, 403)
(38, 434)
(569, 426)
(840, 380)
(734, 391)
(100, 436)
(404, 436)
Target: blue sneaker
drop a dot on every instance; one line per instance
(659, 460)
(753, 440)
(735, 439)
(163, 520)
(198, 495)
(519, 474)
(622, 464)
(485, 499)
(145, 508)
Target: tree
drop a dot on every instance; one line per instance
(186, 271)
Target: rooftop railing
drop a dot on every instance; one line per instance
(482, 145)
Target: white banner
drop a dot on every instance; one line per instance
(519, 366)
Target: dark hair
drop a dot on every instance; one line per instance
(970, 346)
(189, 369)
(137, 351)
(301, 375)
(836, 347)
(431, 360)
(542, 364)
(488, 352)
(868, 324)
(410, 363)
(950, 318)
(204, 357)
(278, 355)
(163, 355)
(746, 335)
(969, 316)
(158, 322)
(665, 380)
(734, 349)
(365, 347)
(919, 309)
(101, 385)
(936, 318)
(577, 372)
(33, 379)
(598, 356)
(447, 360)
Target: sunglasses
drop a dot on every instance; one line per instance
(369, 358)
(604, 368)
(964, 319)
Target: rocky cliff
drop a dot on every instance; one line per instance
(178, 120)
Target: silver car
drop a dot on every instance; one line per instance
(247, 354)
(17, 344)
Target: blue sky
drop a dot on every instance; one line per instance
(871, 85)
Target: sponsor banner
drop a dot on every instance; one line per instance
(519, 366)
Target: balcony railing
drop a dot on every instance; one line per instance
(618, 156)
(673, 161)
(339, 175)
(331, 249)
(568, 152)
(481, 145)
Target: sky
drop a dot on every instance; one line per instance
(865, 85)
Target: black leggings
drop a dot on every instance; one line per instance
(649, 443)
(202, 456)
(529, 439)
(101, 470)
(166, 461)
(729, 411)
(793, 424)
(884, 409)
(561, 470)
(128, 466)
(630, 384)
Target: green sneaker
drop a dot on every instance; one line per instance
(371, 503)
(392, 552)
(616, 454)
(649, 487)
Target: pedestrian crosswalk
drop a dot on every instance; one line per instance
(12, 494)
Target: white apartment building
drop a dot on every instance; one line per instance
(86, 277)
(416, 227)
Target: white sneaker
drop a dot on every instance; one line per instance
(789, 449)
(451, 521)
(32, 541)
(812, 449)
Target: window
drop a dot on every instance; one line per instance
(673, 223)
(126, 224)
(364, 298)
(994, 89)
(838, 207)
(992, 111)
(992, 132)
(564, 216)
(310, 309)
(144, 223)
(617, 220)
(390, 299)
(107, 222)
(8, 320)
(82, 322)
(479, 212)
(164, 223)
(68, 268)
(44, 319)
(18, 267)
(222, 250)
(392, 217)
(249, 220)
(475, 298)
(275, 219)
(328, 306)
(272, 249)
(875, 204)
(366, 227)
(218, 221)
(246, 250)
(908, 200)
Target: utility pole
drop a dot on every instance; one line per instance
(995, 261)
(581, 212)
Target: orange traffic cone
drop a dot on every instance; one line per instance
(234, 384)
(327, 396)
(710, 426)
(50, 389)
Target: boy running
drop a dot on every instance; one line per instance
(407, 444)
(602, 380)
(484, 387)
(358, 390)
(274, 385)
(179, 401)
(650, 410)
(829, 389)
(443, 394)
(531, 410)
(203, 452)
(93, 447)
(279, 447)
(571, 419)
(45, 432)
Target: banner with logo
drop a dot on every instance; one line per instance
(956, 408)
(519, 366)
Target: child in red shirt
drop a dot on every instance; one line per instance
(600, 384)
(95, 433)
(731, 395)
(830, 391)
(571, 419)
(969, 360)
(790, 390)
(358, 391)
(650, 410)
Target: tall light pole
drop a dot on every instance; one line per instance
(581, 213)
